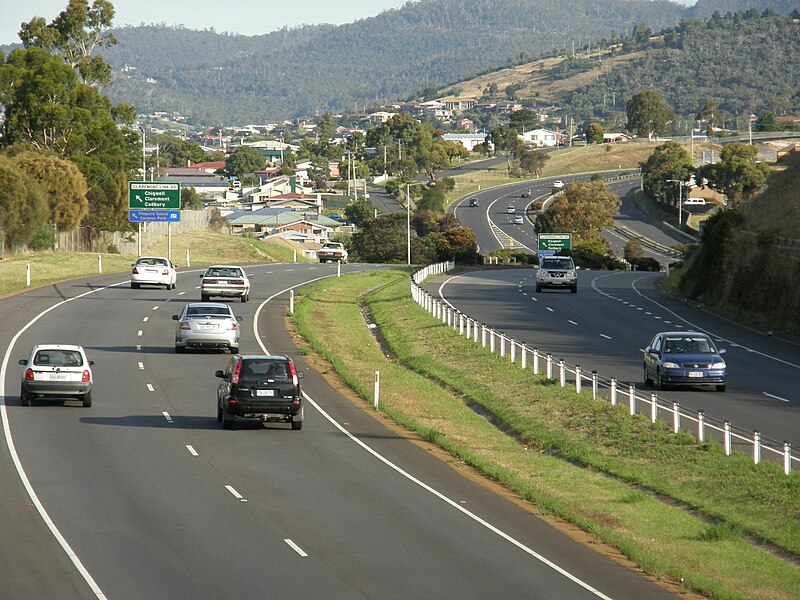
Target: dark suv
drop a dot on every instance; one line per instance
(260, 387)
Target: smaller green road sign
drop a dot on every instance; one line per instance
(154, 195)
(554, 242)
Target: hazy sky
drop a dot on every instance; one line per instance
(248, 17)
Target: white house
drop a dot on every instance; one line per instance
(541, 137)
(468, 140)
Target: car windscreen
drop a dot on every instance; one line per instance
(255, 370)
(688, 345)
(58, 358)
(557, 263)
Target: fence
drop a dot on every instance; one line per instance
(695, 422)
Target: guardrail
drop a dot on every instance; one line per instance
(697, 422)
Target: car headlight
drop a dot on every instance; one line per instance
(718, 365)
(671, 365)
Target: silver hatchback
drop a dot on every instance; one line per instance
(207, 325)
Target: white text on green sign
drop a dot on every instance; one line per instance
(154, 196)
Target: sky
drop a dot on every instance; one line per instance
(247, 17)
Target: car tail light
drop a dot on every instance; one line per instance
(236, 370)
(293, 373)
(29, 374)
(184, 326)
(233, 326)
(238, 282)
(134, 271)
(165, 272)
(208, 281)
(86, 377)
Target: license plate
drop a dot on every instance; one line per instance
(265, 392)
(57, 376)
(695, 373)
(207, 327)
(221, 282)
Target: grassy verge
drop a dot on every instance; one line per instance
(204, 248)
(571, 456)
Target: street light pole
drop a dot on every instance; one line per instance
(144, 167)
(408, 224)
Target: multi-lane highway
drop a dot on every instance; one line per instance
(143, 495)
(614, 316)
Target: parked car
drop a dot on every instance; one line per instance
(228, 281)
(557, 272)
(694, 202)
(207, 325)
(474, 202)
(56, 370)
(153, 270)
(261, 387)
(511, 209)
(684, 358)
(518, 220)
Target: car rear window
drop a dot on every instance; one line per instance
(212, 311)
(58, 358)
(258, 370)
(224, 273)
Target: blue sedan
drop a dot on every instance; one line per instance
(684, 358)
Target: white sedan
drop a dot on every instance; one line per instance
(153, 270)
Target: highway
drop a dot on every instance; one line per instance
(143, 495)
(613, 317)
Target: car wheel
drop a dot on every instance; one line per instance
(245, 297)
(134, 286)
(234, 349)
(538, 289)
(25, 398)
(87, 399)
(297, 421)
(219, 413)
(204, 297)
(660, 380)
(227, 419)
(647, 380)
(574, 289)
(721, 387)
(179, 349)
(174, 284)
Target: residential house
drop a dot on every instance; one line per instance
(468, 140)
(541, 138)
(380, 116)
(612, 138)
(460, 104)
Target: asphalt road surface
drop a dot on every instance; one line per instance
(144, 495)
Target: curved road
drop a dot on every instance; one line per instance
(143, 495)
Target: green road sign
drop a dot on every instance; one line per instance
(154, 195)
(555, 242)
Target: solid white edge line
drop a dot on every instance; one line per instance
(413, 479)
(776, 397)
(12, 450)
(295, 547)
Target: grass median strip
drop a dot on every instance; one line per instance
(681, 510)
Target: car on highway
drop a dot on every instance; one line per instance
(557, 272)
(227, 281)
(558, 185)
(511, 209)
(207, 325)
(525, 194)
(153, 270)
(57, 371)
(684, 358)
(260, 387)
(474, 202)
(518, 220)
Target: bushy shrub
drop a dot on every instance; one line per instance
(43, 239)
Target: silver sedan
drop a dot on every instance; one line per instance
(207, 325)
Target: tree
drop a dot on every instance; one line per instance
(765, 122)
(737, 174)
(584, 209)
(522, 119)
(594, 133)
(243, 161)
(506, 142)
(176, 152)
(458, 244)
(62, 182)
(360, 212)
(533, 161)
(432, 200)
(668, 163)
(23, 204)
(190, 199)
(633, 250)
(647, 114)
(382, 240)
(75, 33)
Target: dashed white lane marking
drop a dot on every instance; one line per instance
(146, 319)
(295, 547)
(191, 450)
(235, 494)
(775, 397)
(288, 270)
(138, 346)
(550, 309)
(573, 322)
(182, 293)
(603, 335)
(167, 417)
(139, 333)
(141, 366)
(155, 307)
(150, 387)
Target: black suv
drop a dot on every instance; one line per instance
(260, 387)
